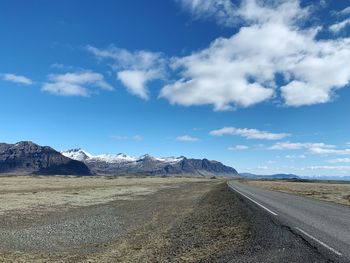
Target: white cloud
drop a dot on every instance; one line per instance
(75, 84)
(299, 93)
(134, 69)
(340, 26)
(340, 160)
(135, 81)
(17, 79)
(241, 70)
(249, 133)
(187, 138)
(238, 147)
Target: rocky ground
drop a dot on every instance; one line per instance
(180, 220)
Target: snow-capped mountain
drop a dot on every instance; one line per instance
(77, 154)
(84, 156)
(117, 164)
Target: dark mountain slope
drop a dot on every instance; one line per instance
(29, 158)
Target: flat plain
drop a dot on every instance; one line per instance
(144, 219)
(337, 192)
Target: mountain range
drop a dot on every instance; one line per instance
(118, 164)
(29, 158)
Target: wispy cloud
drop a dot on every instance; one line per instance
(289, 146)
(238, 147)
(76, 84)
(345, 11)
(223, 11)
(340, 26)
(136, 137)
(340, 160)
(249, 133)
(187, 138)
(332, 168)
(17, 79)
(134, 69)
(314, 148)
(301, 156)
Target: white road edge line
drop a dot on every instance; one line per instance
(319, 241)
(268, 210)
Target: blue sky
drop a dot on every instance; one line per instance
(262, 86)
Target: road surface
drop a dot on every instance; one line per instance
(324, 225)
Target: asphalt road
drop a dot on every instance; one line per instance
(324, 225)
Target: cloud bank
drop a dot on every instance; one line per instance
(271, 47)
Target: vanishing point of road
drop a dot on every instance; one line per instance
(324, 225)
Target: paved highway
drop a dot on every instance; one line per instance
(324, 225)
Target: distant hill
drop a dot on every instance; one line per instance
(272, 176)
(119, 164)
(29, 158)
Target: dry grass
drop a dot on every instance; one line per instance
(43, 194)
(332, 192)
